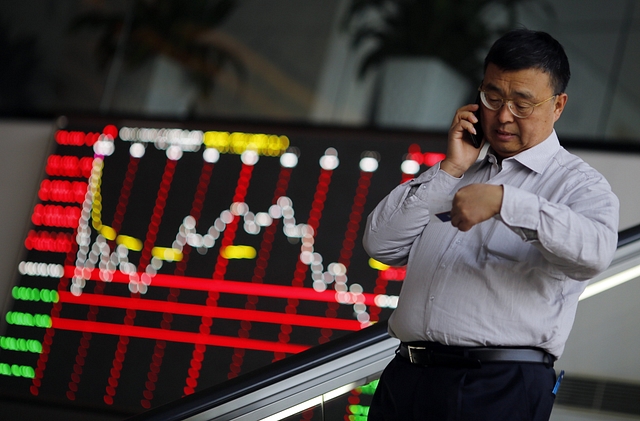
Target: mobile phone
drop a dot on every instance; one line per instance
(476, 139)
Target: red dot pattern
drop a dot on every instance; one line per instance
(69, 166)
(219, 271)
(348, 243)
(62, 191)
(152, 231)
(300, 273)
(64, 137)
(259, 271)
(56, 242)
(85, 341)
(56, 216)
(158, 351)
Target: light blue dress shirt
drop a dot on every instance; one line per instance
(513, 280)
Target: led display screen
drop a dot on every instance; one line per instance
(162, 259)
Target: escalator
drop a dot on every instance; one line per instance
(301, 381)
(303, 386)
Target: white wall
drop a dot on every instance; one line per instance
(622, 170)
(24, 145)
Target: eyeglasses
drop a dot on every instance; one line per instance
(518, 107)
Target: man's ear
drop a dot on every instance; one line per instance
(560, 102)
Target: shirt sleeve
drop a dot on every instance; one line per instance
(578, 235)
(401, 217)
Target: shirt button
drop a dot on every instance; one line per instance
(432, 298)
(429, 333)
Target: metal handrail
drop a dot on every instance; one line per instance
(266, 376)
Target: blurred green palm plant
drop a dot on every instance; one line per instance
(455, 31)
(172, 28)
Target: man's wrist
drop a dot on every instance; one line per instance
(451, 169)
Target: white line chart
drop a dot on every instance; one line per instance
(89, 254)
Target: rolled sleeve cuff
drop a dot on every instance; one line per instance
(520, 209)
(435, 183)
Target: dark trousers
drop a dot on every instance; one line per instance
(495, 392)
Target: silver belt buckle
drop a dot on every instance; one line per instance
(411, 348)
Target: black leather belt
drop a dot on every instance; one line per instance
(431, 354)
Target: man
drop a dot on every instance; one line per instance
(489, 298)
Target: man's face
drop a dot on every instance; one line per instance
(507, 134)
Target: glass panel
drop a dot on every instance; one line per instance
(351, 406)
(354, 406)
(311, 414)
(317, 61)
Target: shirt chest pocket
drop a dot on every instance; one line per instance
(501, 243)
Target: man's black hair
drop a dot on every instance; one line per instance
(521, 49)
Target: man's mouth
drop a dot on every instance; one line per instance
(502, 134)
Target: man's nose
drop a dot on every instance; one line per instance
(504, 114)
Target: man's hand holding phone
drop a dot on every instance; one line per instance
(461, 153)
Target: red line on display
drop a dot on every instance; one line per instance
(69, 166)
(50, 241)
(152, 231)
(208, 311)
(230, 287)
(230, 231)
(158, 211)
(174, 293)
(56, 216)
(64, 137)
(218, 273)
(319, 197)
(259, 270)
(62, 191)
(124, 331)
(348, 243)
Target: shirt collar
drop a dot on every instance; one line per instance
(538, 157)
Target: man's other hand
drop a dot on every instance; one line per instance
(475, 203)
